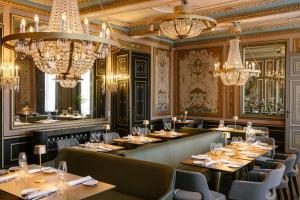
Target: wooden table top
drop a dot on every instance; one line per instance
(167, 134)
(232, 130)
(137, 140)
(80, 191)
(239, 155)
(96, 147)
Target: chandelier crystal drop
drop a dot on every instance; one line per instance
(10, 77)
(233, 71)
(181, 25)
(66, 48)
(67, 81)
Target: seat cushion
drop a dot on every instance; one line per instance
(187, 195)
(113, 195)
(217, 195)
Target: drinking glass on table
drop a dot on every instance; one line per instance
(23, 161)
(213, 148)
(240, 139)
(92, 138)
(97, 137)
(234, 140)
(219, 148)
(62, 173)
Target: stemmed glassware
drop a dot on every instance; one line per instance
(62, 173)
(92, 138)
(23, 161)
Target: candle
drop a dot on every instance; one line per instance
(174, 118)
(145, 122)
(23, 25)
(30, 29)
(103, 26)
(17, 69)
(63, 20)
(107, 34)
(36, 23)
(86, 25)
(101, 34)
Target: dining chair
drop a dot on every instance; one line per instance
(193, 186)
(258, 185)
(269, 141)
(294, 174)
(289, 161)
(198, 123)
(238, 127)
(109, 137)
(68, 142)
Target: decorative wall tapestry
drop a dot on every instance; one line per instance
(162, 82)
(198, 92)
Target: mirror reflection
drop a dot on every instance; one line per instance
(42, 100)
(264, 95)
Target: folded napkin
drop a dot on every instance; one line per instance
(80, 180)
(266, 148)
(231, 162)
(200, 157)
(103, 148)
(249, 153)
(206, 164)
(32, 171)
(41, 193)
(86, 145)
(28, 191)
(7, 178)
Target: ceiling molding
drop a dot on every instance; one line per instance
(26, 7)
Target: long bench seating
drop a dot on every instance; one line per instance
(171, 153)
(134, 179)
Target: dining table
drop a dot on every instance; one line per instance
(136, 140)
(99, 147)
(167, 135)
(22, 181)
(232, 159)
(240, 131)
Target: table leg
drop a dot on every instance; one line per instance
(218, 180)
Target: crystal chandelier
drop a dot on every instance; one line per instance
(10, 77)
(112, 81)
(181, 25)
(67, 81)
(233, 71)
(66, 48)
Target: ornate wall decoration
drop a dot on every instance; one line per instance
(297, 45)
(122, 64)
(197, 90)
(162, 83)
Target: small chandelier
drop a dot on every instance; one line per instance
(233, 71)
(67, 81)
(66, 48)
(10, 77)
(112, 81)
(181, 25)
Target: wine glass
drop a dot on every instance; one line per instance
(62, 170)
(240, 139)
(23, 160)
(213, 148)
(234, 140)
(97, 137)
(92, 138)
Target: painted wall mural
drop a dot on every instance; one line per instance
(198, 92)
(162, 81)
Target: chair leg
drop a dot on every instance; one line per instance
(296, 185)
(284, 190)
(278, 192)
(291, 188)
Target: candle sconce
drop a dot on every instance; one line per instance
(10, 78)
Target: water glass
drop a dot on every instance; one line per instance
(23, 161)
(234, 140)
(213, 148)
(62, 170)
(240, 139)
(92, 138)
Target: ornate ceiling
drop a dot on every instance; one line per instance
(134, 16)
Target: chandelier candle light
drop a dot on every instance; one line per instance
(65, 49)
(10, 77)
(233, 71)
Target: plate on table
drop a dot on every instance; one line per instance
(14, 169)
(232, 165)
(3, 171)
(50, 171)
(92, 182)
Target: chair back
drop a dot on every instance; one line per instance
(289, 163)
(167, 120)
(297, 157)
(269, 141)
(261, 128)
(238, 127)
(108, 137)
(192, 182)
(274, 177)
(64, 143)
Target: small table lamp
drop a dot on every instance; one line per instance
(174, 120)
(146, 122)
(225, 136)
(235, 118)
(40, 150)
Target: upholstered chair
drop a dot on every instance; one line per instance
(193, 186)
(64, 143)
(259, 185)
(269, 141)
(294, 174)
(108, 137)
(265, 129)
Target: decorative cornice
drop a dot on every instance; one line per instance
(25, 7)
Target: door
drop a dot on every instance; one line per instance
(292, 122)
(140, 88)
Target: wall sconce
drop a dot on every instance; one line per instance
(111, 81)
(9, 78)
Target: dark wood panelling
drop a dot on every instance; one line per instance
(141, 103)
(100, 88)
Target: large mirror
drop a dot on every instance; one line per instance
(264, 96)
(42, 100)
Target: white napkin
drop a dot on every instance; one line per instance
(266, 148)
(249, 153)
(80, 180)
(7, 178)
(28, 191)
(104, 148)
(200, 157)
(32, 171)
(198, 162)
(231, 162)
(41, 193)
(86, 145)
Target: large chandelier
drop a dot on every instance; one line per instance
(66, 48)
(233, 71)
(181, 25)
(10, 77)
